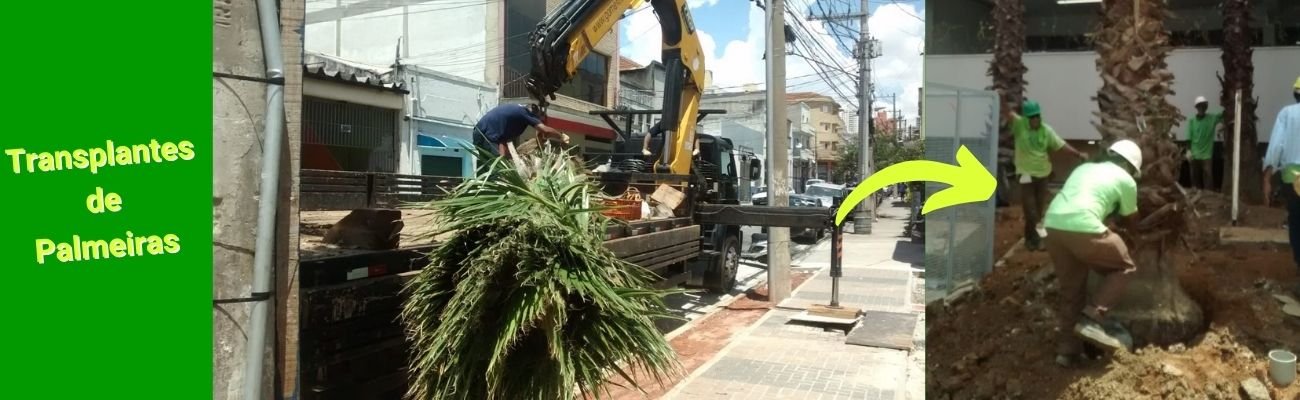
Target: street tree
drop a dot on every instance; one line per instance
(1132, 45)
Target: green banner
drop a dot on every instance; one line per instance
(105, 186)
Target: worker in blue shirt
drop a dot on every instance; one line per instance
(505, 123)
(1284, 155)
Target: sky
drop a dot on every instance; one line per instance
(732, 35)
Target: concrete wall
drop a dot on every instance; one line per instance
(444, 97)
(238, 108)
(446, 37)
(403, 140)
(1064, 83)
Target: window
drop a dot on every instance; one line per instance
(522, 17)
(590, 82)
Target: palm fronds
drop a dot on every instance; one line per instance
(524, 301)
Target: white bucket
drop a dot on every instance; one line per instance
(1281, 367)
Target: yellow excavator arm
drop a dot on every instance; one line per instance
(570, 32)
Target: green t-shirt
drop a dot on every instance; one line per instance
(1094, 191)
(1200, 131)
(1289, 172)
(1032, 147)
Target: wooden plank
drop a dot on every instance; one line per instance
(336, 181)
(633, 228)
(1247, 235)
(338, 303)
(319, 188)
(331, 201)
(662, 260)
(325, 173)
(362, 351)
(688, 248)
(354, 333)
(334, 270)
(791, 217)
(355, 379)
(387, 387)
(652, 241)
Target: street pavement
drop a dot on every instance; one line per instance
(776, 359)
(693, 305)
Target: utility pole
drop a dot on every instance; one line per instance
(893, 99)
(778, 241)
(867, 50)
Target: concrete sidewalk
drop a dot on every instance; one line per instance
(776, 359)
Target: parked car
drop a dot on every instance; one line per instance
(811, 182)
(825, 193)
(798, 200)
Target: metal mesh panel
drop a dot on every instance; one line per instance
(959, 239)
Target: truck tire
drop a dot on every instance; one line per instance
(721, 277)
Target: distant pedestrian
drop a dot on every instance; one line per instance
(505, 123)
(1284, 155)
(1034, 140)
(1201, 134)
(1079, 242)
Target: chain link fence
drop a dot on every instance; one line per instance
(959, 239)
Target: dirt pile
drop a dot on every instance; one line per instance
(997, 342)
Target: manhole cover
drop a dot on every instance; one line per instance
(884, 329)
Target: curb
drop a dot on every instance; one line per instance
(724, 302)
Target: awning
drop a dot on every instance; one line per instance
(441, 141)
(579, 127)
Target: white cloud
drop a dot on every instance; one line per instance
(899, 69)
(701, 3)
(643, 38)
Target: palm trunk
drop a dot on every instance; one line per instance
(1132, 45)
(1007, 68)
(1238, 74)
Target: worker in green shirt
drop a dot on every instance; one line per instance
(1201, 133)
(1079, 241)
(1283, 156)
(1034, 140)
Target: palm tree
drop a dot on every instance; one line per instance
(1132, 44)
(523, 301)
(1238, 74)
(1007, 69)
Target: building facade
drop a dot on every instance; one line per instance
(641, 87)
(352, 116)
(803, 149)
(1062, 74)
(483, 43)
(745, 123)
(830, 131)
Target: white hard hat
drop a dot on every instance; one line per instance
(1130, 151)
(1200, 99)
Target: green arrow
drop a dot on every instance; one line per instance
(970, 182)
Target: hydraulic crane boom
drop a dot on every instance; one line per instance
(571, 31)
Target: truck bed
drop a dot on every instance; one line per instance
(352, 342)
(313, 225)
